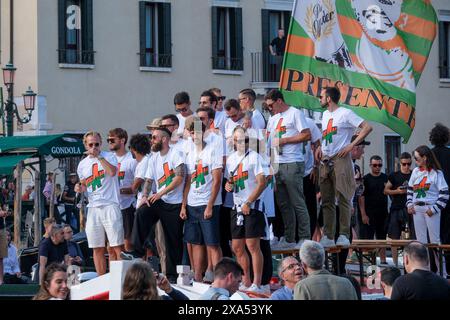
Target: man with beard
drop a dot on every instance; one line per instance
(167, 170)
(126, 165)
(208, 99)
(336, 168)
(98, 178)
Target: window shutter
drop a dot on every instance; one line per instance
(214, 36)
(239, 40)
(142, 33)
(166, 33)
(443, 51)
(61, 31)
(87, 32)
(265, 20)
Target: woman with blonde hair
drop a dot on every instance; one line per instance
(141, 284)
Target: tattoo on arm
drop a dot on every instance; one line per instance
(180, 171)
(147, 186)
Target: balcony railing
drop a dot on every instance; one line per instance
(73, 56)
(225, 63)
(265, 67)
(155, 60)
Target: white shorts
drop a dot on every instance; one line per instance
(101, 220)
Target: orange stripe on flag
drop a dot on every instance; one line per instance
(417, 26)
(301, 46)
(350, 27)
(419, 61)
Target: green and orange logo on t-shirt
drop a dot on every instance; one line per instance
(167, 178)
(239, 179)
(421, 188)
(200, 174)
(121, 174)
(280, 130)
(328, 134)
(95, 181)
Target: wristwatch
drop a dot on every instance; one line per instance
(248, 203)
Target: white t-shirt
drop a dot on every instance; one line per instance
(229, 127)
(258, 120)
(126, 167)
(284, 125)
(244, 175)
(182, 121)
(338, 128)
(162, 172)
(102, 189)
(308, 154)
(219, 121)
(217, 140)
(140, 173)
(200, 166)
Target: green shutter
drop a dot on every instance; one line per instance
(87, 26)
(165, 35)
(214, 12)
(443, 51)
(239, 40)
(61, 31)
(265, 20)
(142, 33)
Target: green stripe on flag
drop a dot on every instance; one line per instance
(297, 29)
(355, 79)
(344, 8)
(416, 44)
(351, 43)
(419, 9)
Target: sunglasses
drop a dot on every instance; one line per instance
(221, 98)
(167, 125)
(181, 110)
(90, 145)
(292, 266)
(111, 140)
(404, 164)
(377, 165)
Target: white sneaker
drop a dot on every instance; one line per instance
(281, 245)
(274, 242)
(343, 241)
(299, 243)
(326, 242)
(284, 245)
(209, 277)
(266, 289)
(243, 287)
(256, 289)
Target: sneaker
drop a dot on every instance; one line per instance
(129, 255)
(299, 243)
(343, 241)
(209, 277)
(266, 289)
(273, 242)
(284, 245)
(243, 287)
(256, 289)
(326, 242)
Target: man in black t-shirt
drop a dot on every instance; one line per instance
(420, 283)
(277, 48)
(53, 249)
(374, 205)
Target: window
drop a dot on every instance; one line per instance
(392, 147)
(155, 34)
(227, 41)
(76, 42)
(444, 47)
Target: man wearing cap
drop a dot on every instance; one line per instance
(336, 170)
(68, 198)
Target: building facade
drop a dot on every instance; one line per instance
(99, 64)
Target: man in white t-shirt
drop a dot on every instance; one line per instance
(287, 131)
(208, 99)
(336, 168)
(182, 103)
(253, 117)
(202, 199)
(246, 174)
(126, 165)
(235, 118)
(140, 149)
(167, 170)
(98, 177)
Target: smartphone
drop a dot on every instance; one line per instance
(154, 262)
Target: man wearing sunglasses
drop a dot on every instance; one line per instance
(98, 177)
(373, 204)
(117, 140)
(396, 188)
(209, 99)
(182, 103)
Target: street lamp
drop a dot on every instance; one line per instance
(9, 108)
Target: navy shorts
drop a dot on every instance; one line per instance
(199, 231)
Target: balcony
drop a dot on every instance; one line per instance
(76, 57)
(155, 60)
(226, 63)
(266, 70)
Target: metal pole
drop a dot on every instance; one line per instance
(37, 209)
(9, 113)
(18, 207)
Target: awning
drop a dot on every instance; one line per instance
(58, 146)
(8, 163)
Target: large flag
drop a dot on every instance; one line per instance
(374, 51)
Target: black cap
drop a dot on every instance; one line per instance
(362, 143)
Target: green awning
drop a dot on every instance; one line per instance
(8, 163)
(58, 146)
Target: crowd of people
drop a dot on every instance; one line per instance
(222, 181)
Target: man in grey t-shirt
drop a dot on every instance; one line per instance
(227, 277)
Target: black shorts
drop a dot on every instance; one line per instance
(254, 225)
(396, 223)
(128, 219)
